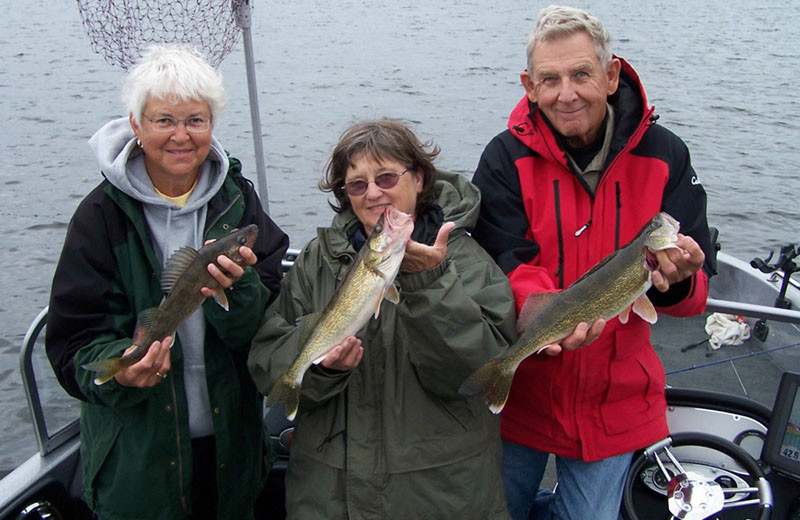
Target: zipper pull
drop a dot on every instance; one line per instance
(584, 228)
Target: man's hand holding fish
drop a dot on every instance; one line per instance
(677, 263)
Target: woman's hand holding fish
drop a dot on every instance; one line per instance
(232, 271)
(149, 370)
(344, 356)
(677, 264)
(420, 257)
(580, 337)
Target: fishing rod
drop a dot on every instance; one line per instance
(736, 358)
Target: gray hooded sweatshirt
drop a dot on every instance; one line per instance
(171, 228)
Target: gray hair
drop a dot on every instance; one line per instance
(558, 21)
(169, 72)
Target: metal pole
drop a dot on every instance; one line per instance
(243, 20)
(756, 311)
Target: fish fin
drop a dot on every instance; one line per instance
(493, 381)
(623, 316)
(541, 349)
(378, 308)
(534, 303)
(144, 324)
(176, 266)
(106, 369)
(319, 359)
(285, 392)
(644, 308)
(391, 294)
(221, 299)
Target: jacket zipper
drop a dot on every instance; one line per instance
(619, 211)
(178, 443)
(560, 270)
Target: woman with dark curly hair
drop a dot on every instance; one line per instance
(381, 430)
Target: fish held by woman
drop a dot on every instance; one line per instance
(613, 287)
(185, 273)
(366, 284)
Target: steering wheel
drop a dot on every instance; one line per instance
(689, 495)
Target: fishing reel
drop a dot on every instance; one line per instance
(787, 265)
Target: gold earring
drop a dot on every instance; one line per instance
(139, 142)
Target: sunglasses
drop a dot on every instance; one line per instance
(384, 181)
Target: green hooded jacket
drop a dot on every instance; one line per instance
(136, 450)
(393, 438)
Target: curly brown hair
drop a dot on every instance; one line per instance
(380, 140)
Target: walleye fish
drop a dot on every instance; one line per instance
(366, 284)
(185, 273)
(612, 287)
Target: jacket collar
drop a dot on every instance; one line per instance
(631, 111)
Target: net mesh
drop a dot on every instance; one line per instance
(122, 30)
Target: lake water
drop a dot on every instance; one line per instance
(723, 76)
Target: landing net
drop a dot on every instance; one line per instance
(122, 30)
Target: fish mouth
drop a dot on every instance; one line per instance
(251, 233)
(650, 259)
(394, 218)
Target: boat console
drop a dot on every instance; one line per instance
(725, 459)
(782, 445)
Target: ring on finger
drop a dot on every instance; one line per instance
(159, 374)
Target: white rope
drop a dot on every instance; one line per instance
(726, 329)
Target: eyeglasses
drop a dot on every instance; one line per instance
(194, 124)
(384, 181)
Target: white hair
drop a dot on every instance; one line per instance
(170, 72)
(557, 21)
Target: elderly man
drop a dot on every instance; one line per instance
(580, 169)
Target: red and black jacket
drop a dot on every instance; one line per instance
(544, 227)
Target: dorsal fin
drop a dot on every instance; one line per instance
(534, 303)
(176, 266)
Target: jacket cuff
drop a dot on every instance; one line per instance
(676, 293)
(410, 282)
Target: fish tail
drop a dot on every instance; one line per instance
(287, 393)
(493, 381)
(106, 369)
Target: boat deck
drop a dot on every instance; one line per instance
(752, 369)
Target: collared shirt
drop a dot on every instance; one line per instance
(591, 174)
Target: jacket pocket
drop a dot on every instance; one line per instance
(635, 382)
(461, 411)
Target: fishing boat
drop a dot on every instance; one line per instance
(730, 454)
(730, 449)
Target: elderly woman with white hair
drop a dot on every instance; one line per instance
(179, 433)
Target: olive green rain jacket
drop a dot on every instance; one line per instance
(393, 438)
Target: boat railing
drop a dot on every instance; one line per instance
(48, 442)
(45, 441)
